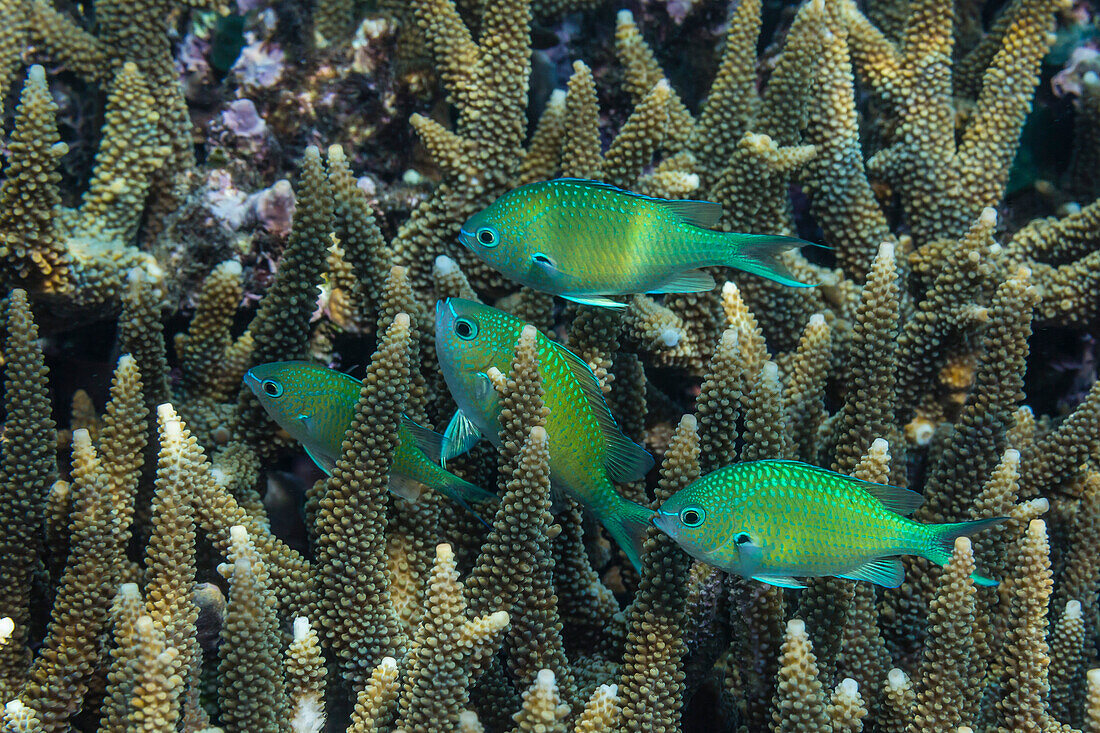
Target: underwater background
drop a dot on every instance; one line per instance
(192, 188)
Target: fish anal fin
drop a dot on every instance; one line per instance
(689, 281)
(780, 581)
(596, 301)
(628, 524)
(624, 459)
(885, 571)
(427, 440)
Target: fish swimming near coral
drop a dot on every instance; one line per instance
(316, 406)
(773, 521)
(587, 449)
(584, 241)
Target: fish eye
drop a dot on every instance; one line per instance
(465, 329)
(742, 538)
(271, 388)
(692, 516)
(487, 237)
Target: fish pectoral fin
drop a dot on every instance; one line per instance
(325, 463)
(405, 487)
(689, 281)
(780, 581)
(885, 571)
(427, 440)
(460, 436)
(596, 301)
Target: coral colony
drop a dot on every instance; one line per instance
(192, 189)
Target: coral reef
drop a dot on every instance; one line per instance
(189, 191)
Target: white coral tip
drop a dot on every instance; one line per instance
(444, 265)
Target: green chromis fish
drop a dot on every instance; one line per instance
(773, 521)
(587, 449)
(584, 240)
(316, 406)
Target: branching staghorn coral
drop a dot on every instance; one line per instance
(27, 469)
(651, 683)
(357, 493)
(446, 652)
(251, 686)
(79, 257)
(911, 369)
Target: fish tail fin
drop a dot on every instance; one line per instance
(759, 254)
(942, 542)
(464, 494)
(627, 525)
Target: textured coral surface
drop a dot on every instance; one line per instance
(189, 189)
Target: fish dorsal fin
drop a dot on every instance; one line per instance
(427, 440)
(896, 499)
(624, 459)
(461, 435)
(698, 213)
(703, 214)
(885, 571)
(688, 281)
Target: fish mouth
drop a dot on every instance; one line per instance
(661, 521)
(441, 314)
(465, 238)
(251, 380)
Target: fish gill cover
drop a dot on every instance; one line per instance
(191, 189)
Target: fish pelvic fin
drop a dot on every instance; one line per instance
(942, 543)
(464, 494)
(759, 254)
(627, 523)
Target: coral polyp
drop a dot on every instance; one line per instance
(192, 189)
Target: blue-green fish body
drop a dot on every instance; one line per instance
(316, 406)
(585, 240)
(587, 449)
(775, 521)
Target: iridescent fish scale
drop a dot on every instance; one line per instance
(586, 240)
(775, 520)
(580, 428)
(316, 406)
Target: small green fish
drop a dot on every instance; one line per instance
(317, 406)
(587, 449)
(773, 521)
(584, 240)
